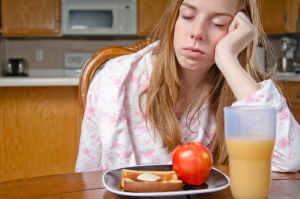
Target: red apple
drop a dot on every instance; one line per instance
(192, 162)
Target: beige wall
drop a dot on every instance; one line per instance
(54, 49)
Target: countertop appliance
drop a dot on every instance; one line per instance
(74, 62)
(288, 46)
(99, 17)
(16, 67)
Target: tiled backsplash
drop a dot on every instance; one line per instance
(53, 50)
(2, 55)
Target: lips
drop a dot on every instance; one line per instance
(194, 52)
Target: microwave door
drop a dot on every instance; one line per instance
(94, 20)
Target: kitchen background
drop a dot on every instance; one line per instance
(53, 52)
(39, 114)
(44, 41)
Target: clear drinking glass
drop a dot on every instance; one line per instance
(250, 133)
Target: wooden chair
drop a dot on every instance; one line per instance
(97, 60)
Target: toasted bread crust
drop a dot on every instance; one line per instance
(136, 186)
(168, 181)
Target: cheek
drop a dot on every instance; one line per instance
(180, 29)
(217, 36)
(175, 34)
(179, 36)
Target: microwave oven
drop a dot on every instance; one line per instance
(99, 17)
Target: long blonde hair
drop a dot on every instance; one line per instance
(164, 89)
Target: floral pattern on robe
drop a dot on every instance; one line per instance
(115, 134)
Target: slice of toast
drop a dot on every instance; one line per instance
(168, 181)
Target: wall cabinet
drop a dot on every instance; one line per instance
(30, 18)
(39, 131)
(280, 16)
(292, 95)
(36, 18)
(149, 13)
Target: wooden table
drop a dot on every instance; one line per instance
(89, 185)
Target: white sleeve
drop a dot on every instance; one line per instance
(90, 147)
(286, 154)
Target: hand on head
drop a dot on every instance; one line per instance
(241, 33)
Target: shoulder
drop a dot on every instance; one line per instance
(134, 57)
(120, 67)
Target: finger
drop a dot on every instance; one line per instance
(242, 21)
(237, 21)
(247, 20)
(244, 16)
(233, 25)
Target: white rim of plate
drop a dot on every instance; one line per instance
(169, 193)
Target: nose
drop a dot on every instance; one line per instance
(198, 31)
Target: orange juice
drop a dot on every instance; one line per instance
(250, 165)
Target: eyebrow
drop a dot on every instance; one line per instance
(189, 5)
(223, 14)
(216, 13)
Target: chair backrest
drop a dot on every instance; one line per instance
(97, 60)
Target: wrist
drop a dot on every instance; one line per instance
(226, 59)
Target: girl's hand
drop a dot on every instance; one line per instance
(241, 33)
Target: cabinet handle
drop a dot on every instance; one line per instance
(285, 17)
(56, 21)
(297, 95)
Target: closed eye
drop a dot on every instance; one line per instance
(220, 25)
(186, 18)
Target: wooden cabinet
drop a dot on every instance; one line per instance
(39, 131)
(292, 95)
(149, 13)
(30, 18)
(280, 16)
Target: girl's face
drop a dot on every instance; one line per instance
(201, 24)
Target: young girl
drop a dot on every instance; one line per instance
(141, 106)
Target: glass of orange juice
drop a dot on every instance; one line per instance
(250, 133)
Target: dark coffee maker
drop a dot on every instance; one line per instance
(16, 67)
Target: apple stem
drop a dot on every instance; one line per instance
(185, 140)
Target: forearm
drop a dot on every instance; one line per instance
(240, 82)
(241, 33)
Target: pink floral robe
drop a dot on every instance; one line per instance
(114, 132)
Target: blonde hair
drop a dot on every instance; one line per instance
(164, 89)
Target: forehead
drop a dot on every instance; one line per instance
(229, 6)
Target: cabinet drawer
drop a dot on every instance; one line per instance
(292, 90)
(39, 131)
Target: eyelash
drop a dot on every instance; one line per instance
(218, 25)
(187, 18)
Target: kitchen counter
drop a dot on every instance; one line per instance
(74, 81)
(289, 77)
(38, 81)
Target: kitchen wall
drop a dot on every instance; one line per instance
(2, 54)
(54, 50)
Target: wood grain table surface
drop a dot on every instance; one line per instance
(89, 185)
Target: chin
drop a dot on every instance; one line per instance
(195, 66)
(188, 63)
